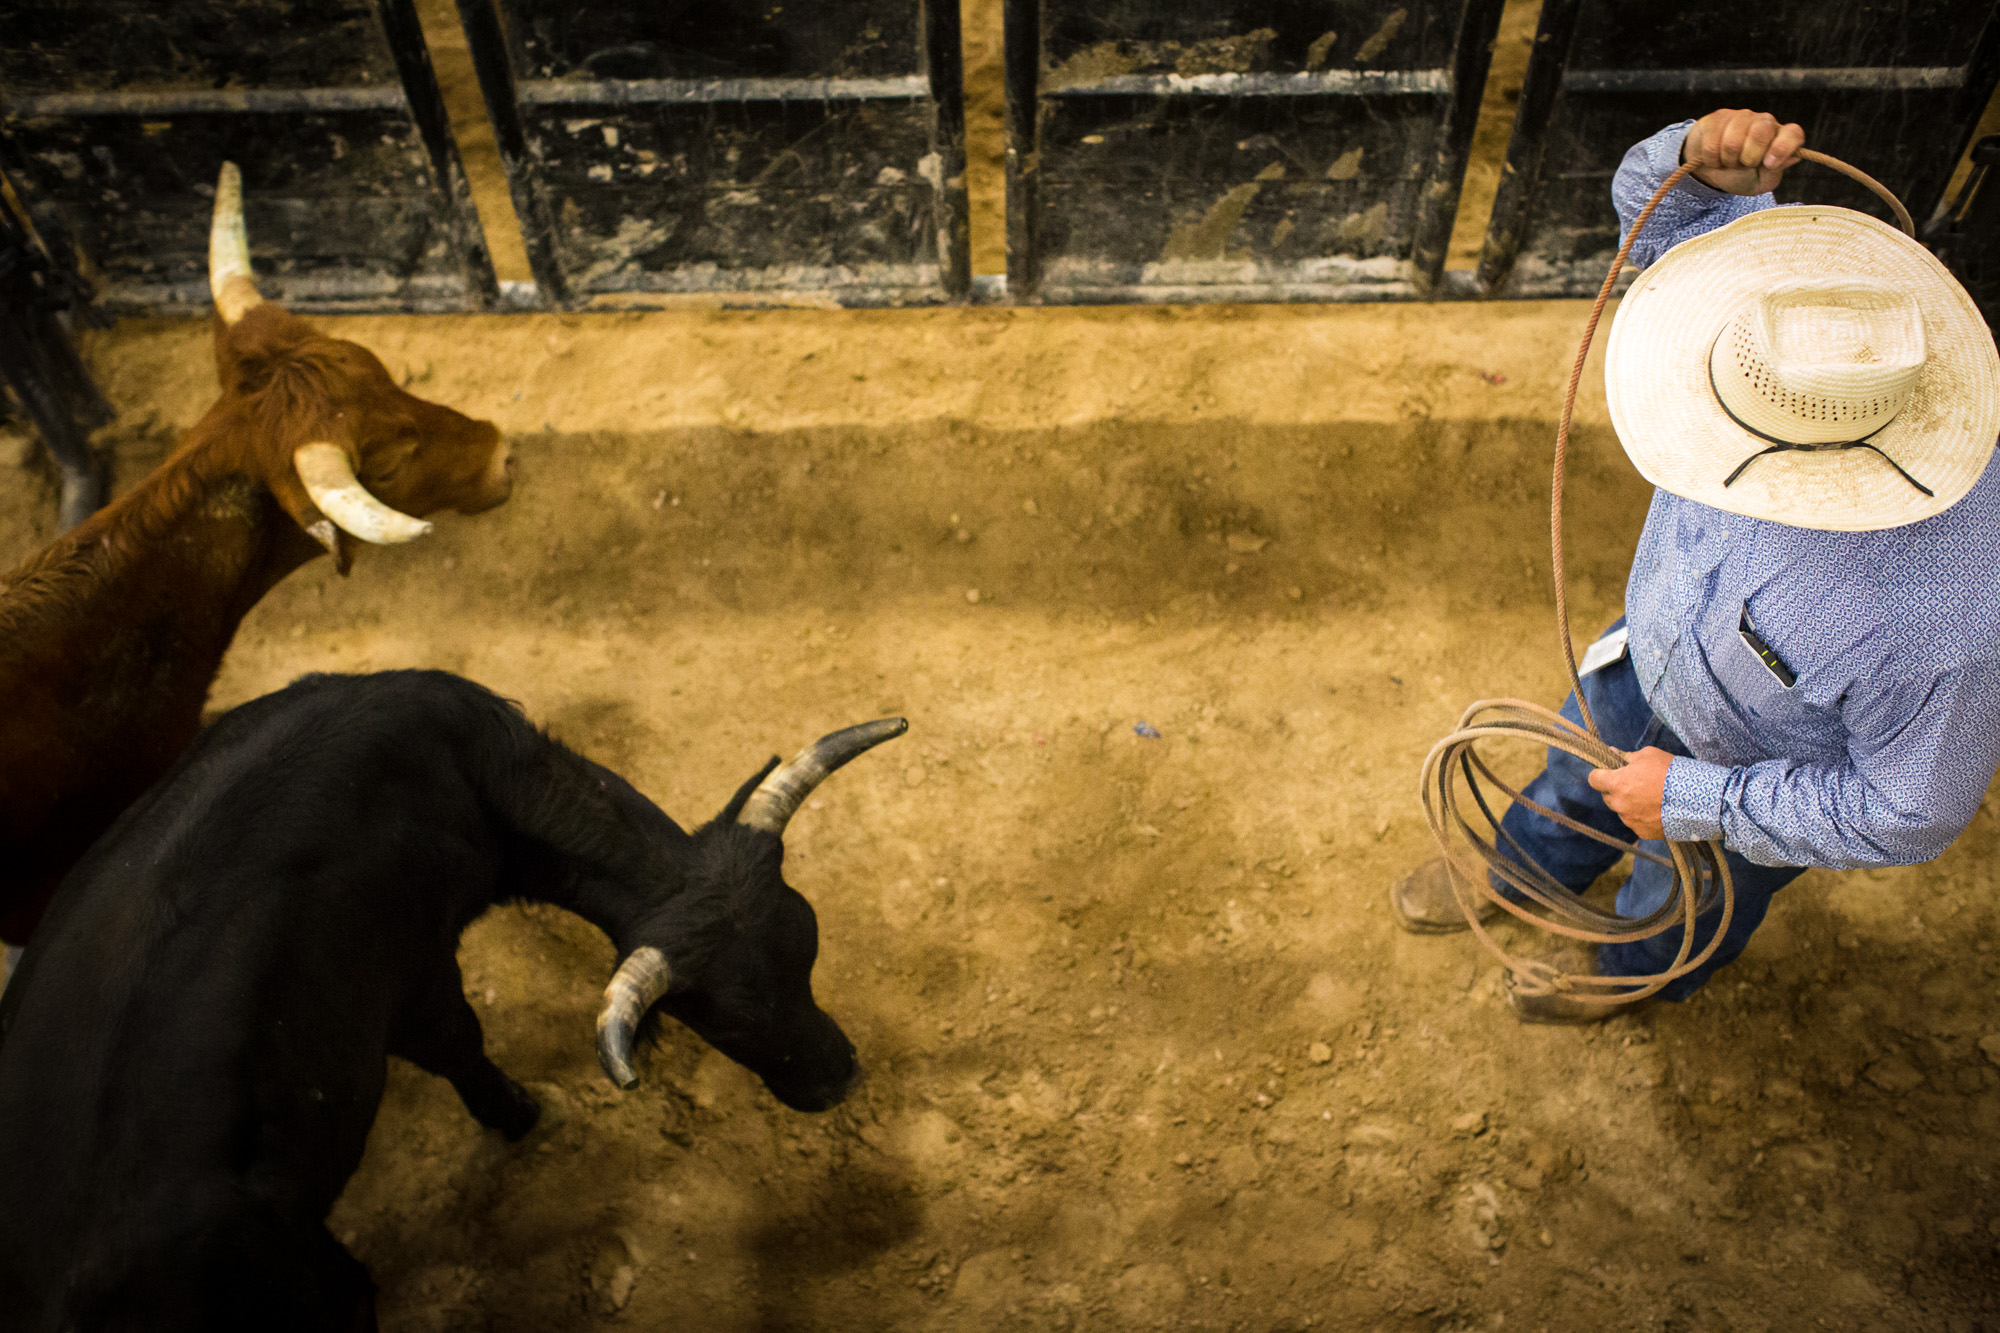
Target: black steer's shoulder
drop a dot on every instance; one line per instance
(342, 716)
(329, 766)
(351, 771)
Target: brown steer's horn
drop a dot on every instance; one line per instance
(229, 278)
(330, 481)
(640, 980)
(779, 796)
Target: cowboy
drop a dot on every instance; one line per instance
(1808, 667)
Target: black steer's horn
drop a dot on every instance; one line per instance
(779, 796)
(640, 980)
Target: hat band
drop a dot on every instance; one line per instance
(1779, 446)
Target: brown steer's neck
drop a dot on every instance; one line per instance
(109, 641)
(198, 542)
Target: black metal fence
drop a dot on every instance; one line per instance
(719, 148)
(1238, 151)
(1894, 89)
(116, 115)
(1184, 150)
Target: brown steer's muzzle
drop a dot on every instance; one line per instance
(496, 483)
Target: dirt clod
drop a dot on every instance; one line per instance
(1893, 1075)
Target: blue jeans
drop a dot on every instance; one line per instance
(1575, 861)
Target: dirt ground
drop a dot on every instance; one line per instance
(1087, 969)
(1145, 1048)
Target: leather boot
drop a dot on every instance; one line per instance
(1424, 904)
(1565, 1010)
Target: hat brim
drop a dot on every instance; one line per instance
(1664, 409)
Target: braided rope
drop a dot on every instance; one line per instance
(1701, 874)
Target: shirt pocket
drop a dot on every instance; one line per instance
(1752, 688)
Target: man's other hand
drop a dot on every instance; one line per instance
(1742, 152)
(1635, 791)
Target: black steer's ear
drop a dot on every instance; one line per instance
(734, 810)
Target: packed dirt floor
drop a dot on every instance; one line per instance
(1175, 601)
(1144, 1047)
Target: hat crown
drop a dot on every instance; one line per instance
(1820, 360)
(1678, 398)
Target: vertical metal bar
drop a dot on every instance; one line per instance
(944, 62)
(1478, 25)
(87, 405)
(488, 47)
(33, 350)
(43, 349)
(1982, 72)
(24, 365)
(1514, 200)
(1021, 46)
(62, 287)
(420, 88)
(39, 212)
(1965, 231)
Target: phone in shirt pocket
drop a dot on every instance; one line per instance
(1776, 665)
(1753, 676)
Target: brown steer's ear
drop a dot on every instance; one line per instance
(291, 495)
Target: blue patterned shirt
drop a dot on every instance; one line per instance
(1881, 750)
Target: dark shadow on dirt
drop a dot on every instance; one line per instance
(857, 1210)
(1212, 519)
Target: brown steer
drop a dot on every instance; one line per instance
(110, 638)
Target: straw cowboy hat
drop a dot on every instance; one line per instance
(1807, 365)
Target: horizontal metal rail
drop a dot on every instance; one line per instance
(631, 92)
(1884, 78)
(1321, 83)
(201, 101)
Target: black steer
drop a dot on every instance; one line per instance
(193, 1051)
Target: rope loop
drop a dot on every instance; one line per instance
(1903, 219)
(1454, 771)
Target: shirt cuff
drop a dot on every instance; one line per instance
(1695, 189)
(1665, 155)
(1691, 807)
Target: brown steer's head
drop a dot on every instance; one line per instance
(342, 447)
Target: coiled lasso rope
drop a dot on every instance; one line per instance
(1701, 875)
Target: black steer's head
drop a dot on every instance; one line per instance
(731, 955)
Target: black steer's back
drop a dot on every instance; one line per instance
(192, 1053)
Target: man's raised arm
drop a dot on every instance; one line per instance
(1739, 157)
